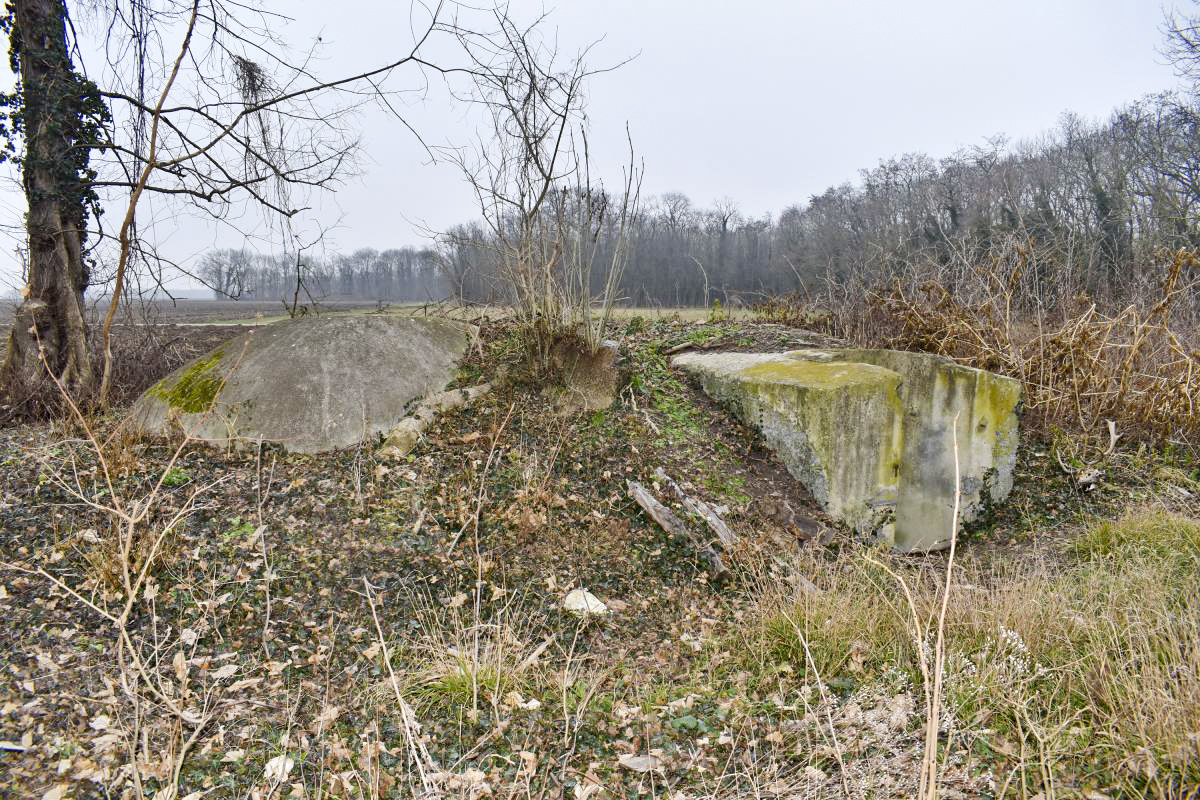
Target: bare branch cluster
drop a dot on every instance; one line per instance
(544, 214)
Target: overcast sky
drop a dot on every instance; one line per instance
(766, 102)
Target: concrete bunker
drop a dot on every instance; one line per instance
(871, 432)
(310, 385)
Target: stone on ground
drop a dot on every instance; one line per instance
(584, 603)
(871, 432)
(311, 385)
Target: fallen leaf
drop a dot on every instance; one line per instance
(328, 716)
(645, 763)
(227, 671)
(278, 768)
(245, 683)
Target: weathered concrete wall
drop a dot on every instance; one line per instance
(310, 385)
(869, 432)
(837, 426)
(935, 390)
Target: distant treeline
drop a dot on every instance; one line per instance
(1088, 204)
(403, 274)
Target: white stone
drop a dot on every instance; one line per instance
(584, 603)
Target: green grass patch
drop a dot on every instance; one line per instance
(1058, 666)
(1155, 534)
(460, 684)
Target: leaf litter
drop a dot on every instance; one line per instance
(260, 607)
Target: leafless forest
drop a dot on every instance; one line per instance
(1092, 207)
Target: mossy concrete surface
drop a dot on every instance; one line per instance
(837, 426)
(936, 391)
(871, 432)
(310, 385)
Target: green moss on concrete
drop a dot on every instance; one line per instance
(996, 399)
(195, 390)
(799, 385)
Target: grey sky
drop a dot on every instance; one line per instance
(766, 101)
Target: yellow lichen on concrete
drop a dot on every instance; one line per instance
(816, 374)
(872, 433)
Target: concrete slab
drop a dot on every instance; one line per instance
(870, 432)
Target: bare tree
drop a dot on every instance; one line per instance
(198, 103)
(227, 272)
(532, 177)
(1182, 43)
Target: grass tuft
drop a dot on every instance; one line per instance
(1154, 534)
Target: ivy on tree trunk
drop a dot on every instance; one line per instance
(58, 117)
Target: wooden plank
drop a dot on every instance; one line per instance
(701, 509)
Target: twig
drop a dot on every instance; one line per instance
(474, 518)
(261, 534)
(418, 752)
(673, 525)
(825, 700)
(695, 505)
(929, 765)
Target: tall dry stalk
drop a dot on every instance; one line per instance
(425, 765)
(929, 767)
(127, 224)
(826, 701)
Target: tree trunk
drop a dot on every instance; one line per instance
(51, 317)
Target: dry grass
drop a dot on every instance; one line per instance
(1081, 360)
(1082, 667)
(1129, 366)
(468, 662)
